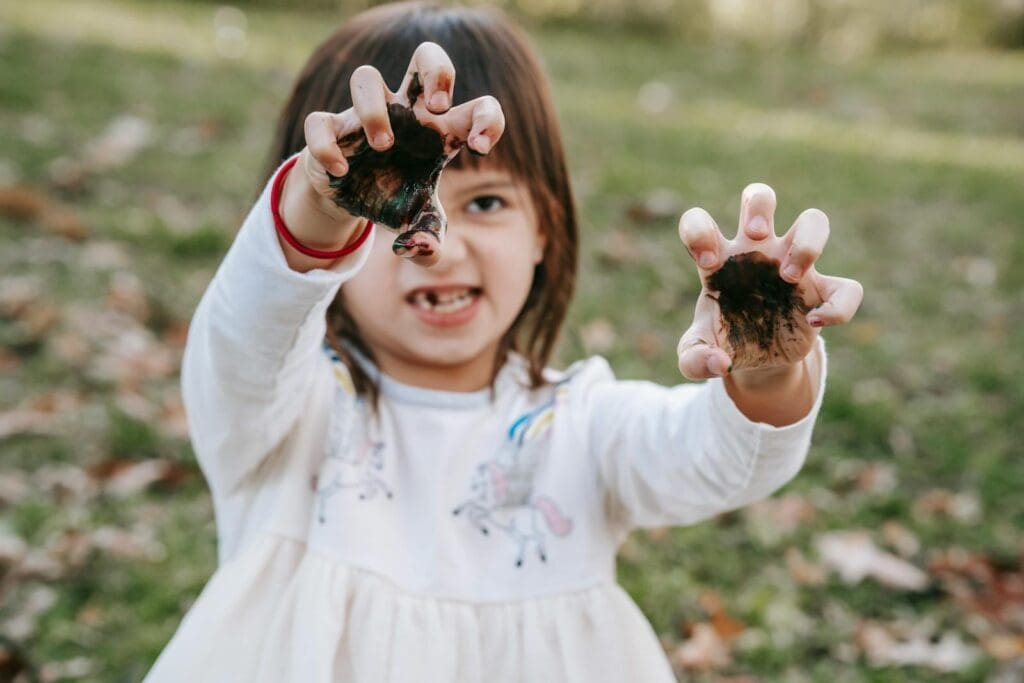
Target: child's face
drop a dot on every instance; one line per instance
(440, 327)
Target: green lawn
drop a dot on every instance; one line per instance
(918, 159)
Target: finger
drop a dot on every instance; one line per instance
(432, 73)
(322, 131)
(757, 212)
(806, 240)
(370, 101)
(479, 122)
(700, 360)
(842, 299)
(702, 238)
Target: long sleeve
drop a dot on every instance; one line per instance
(676, 456)
(253, 349)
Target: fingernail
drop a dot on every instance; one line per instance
(758, 225)
(791, 272)
(483, 143)
(381, 140)
(815, 322)
(707, 260)
(711, 368)
(338, 169)
(439, 100)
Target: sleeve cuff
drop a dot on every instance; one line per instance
(769, 437)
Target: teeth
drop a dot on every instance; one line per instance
(448, 302)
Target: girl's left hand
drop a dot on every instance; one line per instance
(762, 301)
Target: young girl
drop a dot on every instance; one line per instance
(403, 492)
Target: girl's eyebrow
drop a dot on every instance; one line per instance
(488, 185)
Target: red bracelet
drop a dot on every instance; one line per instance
(282, 229)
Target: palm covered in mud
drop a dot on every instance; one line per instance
(762, 300)
(397, 187)
(382, 159)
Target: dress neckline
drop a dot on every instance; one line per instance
(510, 373)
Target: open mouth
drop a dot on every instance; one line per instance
(443, 301)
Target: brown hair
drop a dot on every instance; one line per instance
(491, 57)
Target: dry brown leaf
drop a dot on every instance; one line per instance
(1004, 646)
(127, 294)
(619, 248)
(854, 556)
(172, 420)
(598, 336)
(962, 507)
(900, 538)
(14, 488)
(877, 478)
(22, 623)
(803, 571)
(704, 650)
(12, 550)
(660, 204)
(773, 519)
(648, 345)
(121, 141)
(980, 586)
(135, 477)
(726, 626)
(34, 206)
(882, 648)
(26, 422)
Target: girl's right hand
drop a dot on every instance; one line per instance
(478, 123)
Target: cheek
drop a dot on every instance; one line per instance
(362, 294)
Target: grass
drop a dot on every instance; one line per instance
(917, 158)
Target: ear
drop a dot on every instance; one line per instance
(539, 248)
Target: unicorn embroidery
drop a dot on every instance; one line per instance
(352, 459)
(501, 489)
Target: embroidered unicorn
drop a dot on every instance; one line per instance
(502, 489)
(353, 460)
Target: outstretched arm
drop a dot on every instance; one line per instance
(761, 306)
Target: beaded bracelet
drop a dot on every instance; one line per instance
(282, 229)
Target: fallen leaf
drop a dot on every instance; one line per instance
(26, 422)
(981, 586)
(598, 336)
(127, 293)
(30, 205)
(803, 571)
(726, 626)
(900, 538)
(1004, 646)
(962, 507)
(659, 205)
(948, 654)
(619, 248)
(22, 624)
(119, 143)
(704, 650)
(854, 556)
(773, 519)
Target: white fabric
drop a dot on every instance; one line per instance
(456, 536)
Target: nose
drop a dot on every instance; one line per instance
(454, 250)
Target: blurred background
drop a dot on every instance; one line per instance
(133, 136)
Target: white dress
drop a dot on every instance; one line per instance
(457, 537)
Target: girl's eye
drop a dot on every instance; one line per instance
(485, 204)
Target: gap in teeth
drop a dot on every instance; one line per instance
(444, 303)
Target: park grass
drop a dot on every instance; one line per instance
(919, 168)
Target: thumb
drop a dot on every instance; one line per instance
(700, 358)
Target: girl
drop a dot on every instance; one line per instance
(403, 492)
